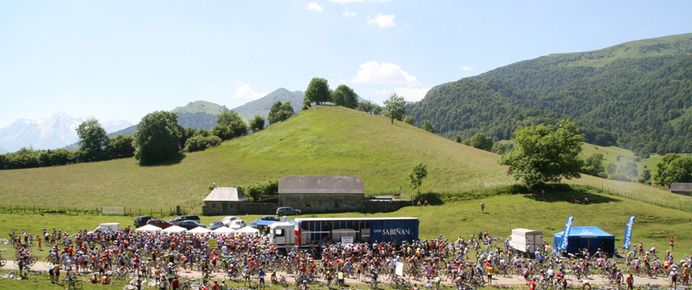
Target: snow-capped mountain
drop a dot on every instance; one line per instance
(55, 132)
(117, 125)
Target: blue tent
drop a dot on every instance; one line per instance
(589, 237)
(260, 222)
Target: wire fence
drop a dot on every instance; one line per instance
(118, 211)
(659, 202)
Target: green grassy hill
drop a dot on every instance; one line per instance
(636, 95)
(321, 141)
(614, 154)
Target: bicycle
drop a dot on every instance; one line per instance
(75, 284)
(3, 262)
(400, 283)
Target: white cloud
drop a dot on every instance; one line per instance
(349, 13)
(412, 94)
(383, 73)
(466, 68)
(354, 1)
(383, 20)
(246, 93)
(345, 1)
(314, 6)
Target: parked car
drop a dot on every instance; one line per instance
(142, 220)
(228, 219)
(189, 224)
(285, 210)
(159, 223)
(270, 218)
(185, 218)
(237, 224)
(215, 225)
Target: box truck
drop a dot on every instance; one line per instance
(308, 232)
(526, 240)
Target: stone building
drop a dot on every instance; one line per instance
(681, 187)
(222, 200)
(322, 193)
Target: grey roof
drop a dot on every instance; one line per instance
(321, 184)
(681, 187)
(225, 194)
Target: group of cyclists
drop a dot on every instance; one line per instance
(465, 263)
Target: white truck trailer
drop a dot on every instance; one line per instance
(526, 240)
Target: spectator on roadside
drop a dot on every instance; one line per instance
(261, 275)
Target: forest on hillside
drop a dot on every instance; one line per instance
(641, 103)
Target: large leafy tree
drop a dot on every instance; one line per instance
(345, 96)
(428, 126)
(370, 108)
(257, 123)
(318, 91)
(545, 153)
(158, 138)
(673, 168)
(594, 165)
(280, 111)
(480, 141)
(93, 141)
(121, 146)
(229, 125)
(395, 108)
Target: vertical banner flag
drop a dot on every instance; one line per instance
(565, 234)
(628, 233)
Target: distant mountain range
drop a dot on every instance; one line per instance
(202, 114)
(55, 132)
(637, 95)
(263, 105)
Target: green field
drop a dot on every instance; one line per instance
(614, 154)
(320, 141)
(503, 212)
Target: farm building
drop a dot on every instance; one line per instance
(322, 193)
(681, 187)
(222, 200)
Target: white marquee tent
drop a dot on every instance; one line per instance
(148, 229)
(248, 230)
(199, 230)
(174, 230)
(223, 230)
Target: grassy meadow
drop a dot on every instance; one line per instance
(653, 226)
(320, 141)
(621, 156)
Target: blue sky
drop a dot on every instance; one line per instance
(122, 59)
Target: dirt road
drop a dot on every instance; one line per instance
(498, 280)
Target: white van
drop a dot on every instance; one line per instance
(107, 227)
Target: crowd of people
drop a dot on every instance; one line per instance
(464, 262)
